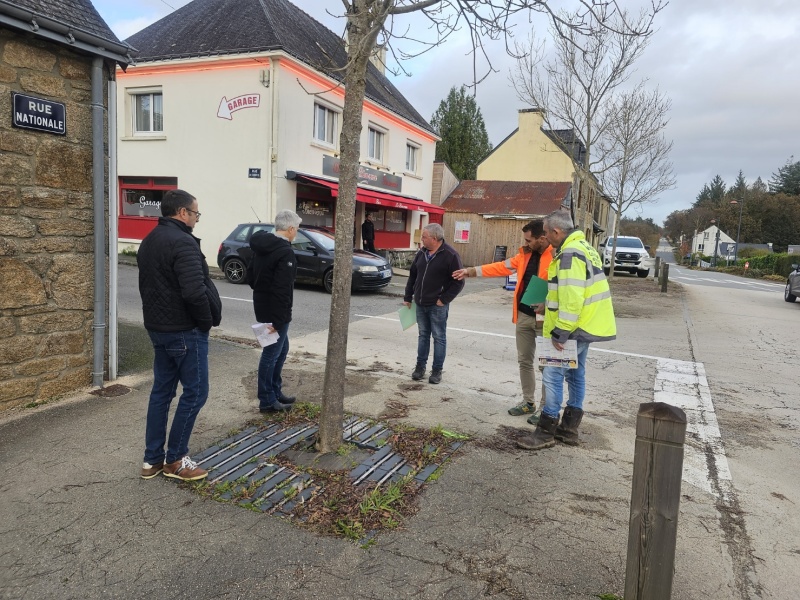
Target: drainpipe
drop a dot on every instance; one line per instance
(98, 188)
(113, 231)
(273, 150)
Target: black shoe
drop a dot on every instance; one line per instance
(419, 373)
(286, 399)
(436, 376)
(275, 407)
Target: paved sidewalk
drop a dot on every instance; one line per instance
(77, 522)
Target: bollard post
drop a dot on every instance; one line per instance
(664, 277)
(655, 271)
(655, 501)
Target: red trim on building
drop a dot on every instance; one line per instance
(378, 198)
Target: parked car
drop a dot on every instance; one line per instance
(792, 285)
(632, 256)
(313, 248)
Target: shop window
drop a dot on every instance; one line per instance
(412, 152)
(387, 219)
(141, 196)
(376, 141)
(148, 113)
(325, 124)
(315, 212)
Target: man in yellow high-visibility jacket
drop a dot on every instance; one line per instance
(578, 307)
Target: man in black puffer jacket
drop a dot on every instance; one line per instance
(180, 305)
(274, 270)
(432, 287)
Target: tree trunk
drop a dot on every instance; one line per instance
(361, 40)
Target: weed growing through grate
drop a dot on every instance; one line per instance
(327, 501)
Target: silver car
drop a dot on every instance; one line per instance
(792, 285)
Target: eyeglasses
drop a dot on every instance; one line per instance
(189, 210)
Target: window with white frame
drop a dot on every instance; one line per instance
(325, 124)
(377, 138)
(148, 112)
(412, 157)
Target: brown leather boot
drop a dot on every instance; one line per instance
(567, 430)
(542, 437)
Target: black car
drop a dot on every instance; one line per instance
(313, 248)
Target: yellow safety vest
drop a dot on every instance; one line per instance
(578, 297)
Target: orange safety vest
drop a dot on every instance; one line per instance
(516, 264)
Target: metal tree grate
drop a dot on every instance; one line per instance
(240, 470)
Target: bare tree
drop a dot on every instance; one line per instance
(376, 22)
(574, 86)
(637, 165)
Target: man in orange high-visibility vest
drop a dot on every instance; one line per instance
(532, 260)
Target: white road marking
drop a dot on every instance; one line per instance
(683, 384)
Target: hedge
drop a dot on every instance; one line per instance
(777, 264)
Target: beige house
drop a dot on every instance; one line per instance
(243, 108)
(57, 64)
(532, 153)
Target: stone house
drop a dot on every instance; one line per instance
(55, 56)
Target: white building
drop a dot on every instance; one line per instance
(243, 109)
(705, 241)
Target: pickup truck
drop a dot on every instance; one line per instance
(632, 256)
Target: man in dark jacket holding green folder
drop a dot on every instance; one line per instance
(531, 261)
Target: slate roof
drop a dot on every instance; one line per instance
(80, 14)
(507, 197)
(568, 140)
(219, 27)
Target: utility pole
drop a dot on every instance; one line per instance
(716, 243)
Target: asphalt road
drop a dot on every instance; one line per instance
(311, 310)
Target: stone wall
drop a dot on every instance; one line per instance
(46, 225)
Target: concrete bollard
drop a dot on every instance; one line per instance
(664, 277)
(655, 501)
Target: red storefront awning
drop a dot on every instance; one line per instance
(374, 197)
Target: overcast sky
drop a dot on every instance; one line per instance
(730, 67)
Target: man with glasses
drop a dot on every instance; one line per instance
(180, 305)
(532, 259)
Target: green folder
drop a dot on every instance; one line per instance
(408, 316)
(536, 292)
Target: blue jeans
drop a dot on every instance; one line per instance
(180, 356)
(270, 367)
(432, 320)
(553, 381)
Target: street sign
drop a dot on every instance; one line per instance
(39, 114)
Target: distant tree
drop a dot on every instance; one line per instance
(759, 186)
(739, 187)
(787, 179)
(717, 189)
(637, 167)
(704, 197)
(459, 123)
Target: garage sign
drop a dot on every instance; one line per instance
(39, 114)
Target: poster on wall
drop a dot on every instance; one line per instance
(462, 232)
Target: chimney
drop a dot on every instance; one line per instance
(378, 59)
(531, 118)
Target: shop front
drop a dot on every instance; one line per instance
(140, 205)
(395, 216)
